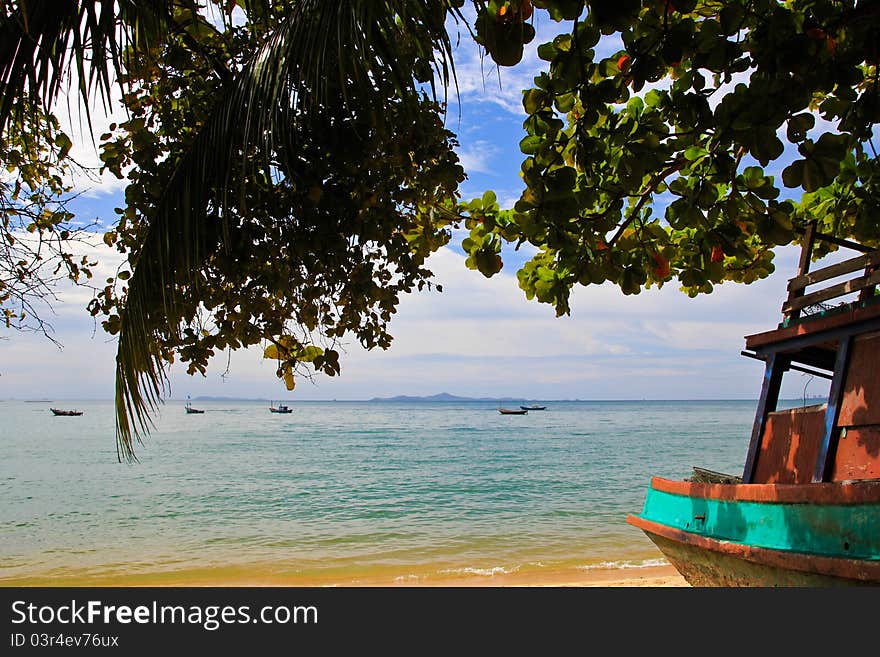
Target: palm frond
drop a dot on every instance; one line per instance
(44, 42)
(361, 48)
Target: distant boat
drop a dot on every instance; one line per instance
(190, 409)
(58, 411)
(533, 408)
(512, 411)
(281, 408)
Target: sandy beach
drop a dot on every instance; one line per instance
(643, 576)
(648, 576)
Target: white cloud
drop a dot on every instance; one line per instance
(479, 337)
(85, 131)
(480, 80)
(478, 157)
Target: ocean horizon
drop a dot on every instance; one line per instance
(341, 492)
(426, 399)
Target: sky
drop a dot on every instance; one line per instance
(480, 337)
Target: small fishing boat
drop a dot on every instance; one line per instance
(533, 408)
(806, 510)
(281, 408)
(512, 411)
(190, 409)
(58, 411)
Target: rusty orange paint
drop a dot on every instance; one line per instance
(861, 393)
(832, 492)
(790, 446)
(843, 318)
(858, 454)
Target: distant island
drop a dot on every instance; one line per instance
(443, 397)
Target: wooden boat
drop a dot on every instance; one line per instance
(58, 411)
(806, 510)
(281, 408)
(512, 411)
(190, 409)
(533, 408)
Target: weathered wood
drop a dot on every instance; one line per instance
(860, 402)
(801, 281)
(704, 561)
(827, 493)
(790, 445)
(805, 370)
(824, 529)
(803, 266)
(852, 285)
(856, 318)
(855, 246)
(828, 445)
(858, 454)
(869, 291)
(704, 476)
(807, 249)
(776, 365)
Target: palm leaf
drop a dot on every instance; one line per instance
(366, 45)
(44, 43)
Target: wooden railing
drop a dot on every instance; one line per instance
(798, 298)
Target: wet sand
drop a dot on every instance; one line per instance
(646, 576)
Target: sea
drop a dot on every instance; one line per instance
(345, 492)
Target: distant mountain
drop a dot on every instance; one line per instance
(443, 397)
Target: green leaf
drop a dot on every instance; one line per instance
(531, 145)
(289, 380)
(731, 18)
(547, 51)
(309, 354)
(695, 153)
(798, 126)
(533, 100)
(64, 145)
(565, 102)
(793, 174)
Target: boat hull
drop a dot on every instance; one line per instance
(58, 412)
(824, 534)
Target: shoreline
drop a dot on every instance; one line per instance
(640, 576)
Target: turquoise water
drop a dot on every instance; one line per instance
(344, 489)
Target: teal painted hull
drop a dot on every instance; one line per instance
(723, 541)
(834, 530)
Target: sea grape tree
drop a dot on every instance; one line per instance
(38, 234)
(289, 174)
(276, 197)
(704, 135)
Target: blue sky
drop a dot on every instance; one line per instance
(480, 337)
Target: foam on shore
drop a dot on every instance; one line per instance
(654, 572)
